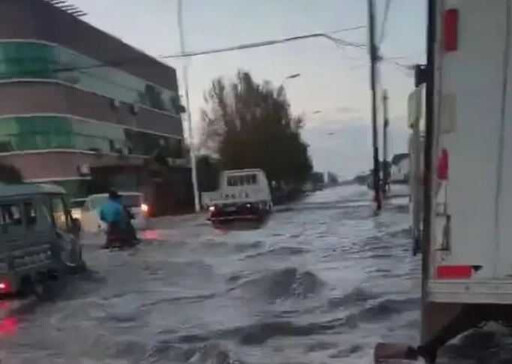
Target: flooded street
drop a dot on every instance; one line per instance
(321, 282)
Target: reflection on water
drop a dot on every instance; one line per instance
(8, 326)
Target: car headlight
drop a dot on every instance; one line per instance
(211, 208)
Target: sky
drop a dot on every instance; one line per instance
(332, 93)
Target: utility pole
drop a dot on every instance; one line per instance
(197, 205)
(386, 171)
(373, 81)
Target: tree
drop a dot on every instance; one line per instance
(249, 125)
(10, 174)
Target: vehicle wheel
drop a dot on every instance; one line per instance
(39, 290)
(25, 287)
(71, 258)
(35, 286)
(76, 264)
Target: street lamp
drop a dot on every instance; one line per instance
(290, 77)
(295, 75)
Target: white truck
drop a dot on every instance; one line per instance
(243, 194)
(465, 235)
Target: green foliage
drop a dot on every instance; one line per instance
(249, 125)
(10, 174)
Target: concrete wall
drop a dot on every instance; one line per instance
(22, 98)
(62, 164)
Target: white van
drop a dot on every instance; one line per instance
(243, 194)
(133, 201)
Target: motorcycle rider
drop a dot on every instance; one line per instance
(114, 215)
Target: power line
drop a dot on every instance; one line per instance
(326, 35)
(118, 63)
(384, 22)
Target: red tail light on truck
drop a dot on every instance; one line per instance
(451, 30)
(443, 165)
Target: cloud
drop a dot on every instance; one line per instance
(321, 124)
(348, 110)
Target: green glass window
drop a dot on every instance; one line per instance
(24, 133)
(32, 133)
(36, 60)
(148, 144)
(26, 60)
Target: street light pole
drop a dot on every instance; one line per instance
(373, 76)
(197, 205)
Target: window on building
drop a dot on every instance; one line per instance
(148, 144)
(37, 60)
(26, 60)
(154, 96)
(175, 148)
(52, 132)
(6, 146)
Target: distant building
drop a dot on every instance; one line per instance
(400, 168)
(332, 179)
(81, 108)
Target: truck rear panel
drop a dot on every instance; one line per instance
(471, 249)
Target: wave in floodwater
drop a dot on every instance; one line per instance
(281, 284)
(321, 282)
(280, 251)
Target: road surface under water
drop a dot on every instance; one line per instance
(321, 282)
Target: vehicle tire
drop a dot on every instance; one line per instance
(71, 258)
(77, 264)
(39, 289)
(24, 287)
(35, 286)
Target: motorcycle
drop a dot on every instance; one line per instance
(121, 238)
